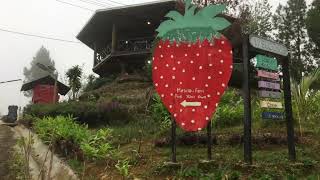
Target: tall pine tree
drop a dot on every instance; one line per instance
(290, 24)
(34, 72)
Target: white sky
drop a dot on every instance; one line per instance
(48, 18)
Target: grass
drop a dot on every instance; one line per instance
(16, 166)
(269, 161)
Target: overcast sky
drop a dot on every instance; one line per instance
(47, 18)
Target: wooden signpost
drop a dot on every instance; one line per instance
(269, 85)
(267, 74)
(271, 104)
(273, 115)
(268, 46)
(266, 55)
(269, 94)
(266, 63)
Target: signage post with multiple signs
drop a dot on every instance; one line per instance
(267, 54)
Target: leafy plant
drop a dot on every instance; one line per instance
(123, 167)
(160, 113)
(97, 147)
(230, 110)
(303, 96)
(94, 146)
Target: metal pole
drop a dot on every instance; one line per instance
(173, 140)
(288, 109)
(247, 103)
(209, 135)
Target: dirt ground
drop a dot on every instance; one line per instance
(7, 141)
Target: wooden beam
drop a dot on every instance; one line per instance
(288, 109)
(114, 39)
(247, 103)
(95, 58)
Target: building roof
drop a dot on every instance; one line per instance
(131, 21)
(46, 80)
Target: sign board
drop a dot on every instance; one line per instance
(267, 45)
(266, 62)
(191, 79)
(272, 115)
(271, 104)
(269, 94)
(270, 75)
(269, 85)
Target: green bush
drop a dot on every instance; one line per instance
(85, 112)
(54, 129)
(160, 113)
(96, 83)
(93, 146)
(229, 113)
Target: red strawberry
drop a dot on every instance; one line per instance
(192, 65)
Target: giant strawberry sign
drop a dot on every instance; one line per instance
(192, 64)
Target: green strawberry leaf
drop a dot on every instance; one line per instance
(193, 26)
(219, 23)
(212, 11)
(176, 16)
(165, 27)
(190, 12)
(187, 4)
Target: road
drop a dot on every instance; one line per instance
(6, 143)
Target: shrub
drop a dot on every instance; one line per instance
(230, 110)
(74, 139)
(160, 113)
(96, 147)
(61, 128)
(85, 112)
(96, 83)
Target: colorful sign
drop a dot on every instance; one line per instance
(271, 104)
(267, 45)
(269, 85)
(269, 94)
(272, 115)
(266, 74)
(192, 66)
(266, 62)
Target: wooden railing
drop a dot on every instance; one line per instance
(124, 47)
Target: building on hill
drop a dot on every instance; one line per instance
(122, 37)
(43, 90)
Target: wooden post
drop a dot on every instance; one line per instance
(247, 103)
(114, 39)
(209, 139)
(288, 109)
(173, 140)
(95, 58)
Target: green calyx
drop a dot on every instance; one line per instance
(193, 26)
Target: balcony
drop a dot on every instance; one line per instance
(129, 47)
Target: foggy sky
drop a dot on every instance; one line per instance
(47, 18)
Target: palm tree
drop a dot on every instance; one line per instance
(74, 76)
(303, 93)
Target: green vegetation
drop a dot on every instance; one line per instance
(106, 112)
(74, 140)
(17, 167)
(128, 150)
(74, 77)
